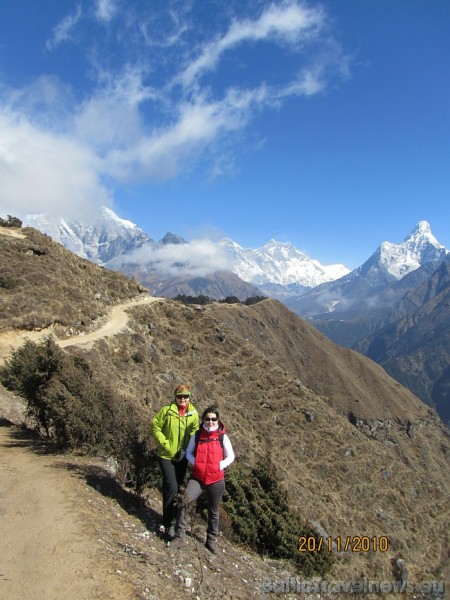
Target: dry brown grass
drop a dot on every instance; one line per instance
(47, 284)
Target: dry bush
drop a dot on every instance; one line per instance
(74, 409)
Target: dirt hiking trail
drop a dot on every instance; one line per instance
(115, 322)
(49, 545)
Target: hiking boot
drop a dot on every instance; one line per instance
(177, 543)
(166, 533)
(212, 546)
(161, 531)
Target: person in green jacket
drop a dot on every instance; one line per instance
(172, 427)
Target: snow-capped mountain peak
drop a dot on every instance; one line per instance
(278, 263)
(421, 236)
(281, 250)
(104, 238)
(109, 215)
(364, 288)
(418, 248)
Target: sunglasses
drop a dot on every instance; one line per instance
(211, 419)
(183, 396)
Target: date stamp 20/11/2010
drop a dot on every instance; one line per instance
(348, 543)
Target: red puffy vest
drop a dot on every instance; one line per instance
(208, 455)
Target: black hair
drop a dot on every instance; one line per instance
(210, 409)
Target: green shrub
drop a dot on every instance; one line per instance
(230, 300)
(7, 282)
(193, 299)
(10, 222)
(261, 518)
(254, 300)
(75, 410)
(28, 373)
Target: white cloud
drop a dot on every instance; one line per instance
(46, 100)
(328, 65)
(105, 137)
(310, 81)
(111, 116)
(164, 152)
(63, 31)
(106, 10)
(167, 31)
(197, 258)
(286, 23)
(45, 172)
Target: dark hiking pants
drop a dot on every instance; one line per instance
(214, 493)
(173, 476)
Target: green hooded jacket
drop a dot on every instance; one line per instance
(172, 431)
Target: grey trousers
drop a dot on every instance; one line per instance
(214, 493)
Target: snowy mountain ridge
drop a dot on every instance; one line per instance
(367, 285)
(277, 267)
(279, 263)
(393, 261)
(104, 239)
(419, 247)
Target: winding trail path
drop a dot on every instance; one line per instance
(117, 321)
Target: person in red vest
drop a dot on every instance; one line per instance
(210, 452)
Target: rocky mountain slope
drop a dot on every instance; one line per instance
(415, 346)
(219, 285)
(358, 454)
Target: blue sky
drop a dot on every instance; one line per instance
(326, 124)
